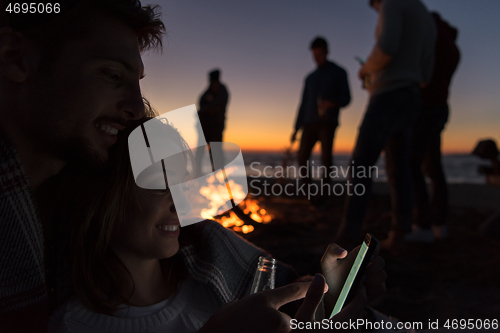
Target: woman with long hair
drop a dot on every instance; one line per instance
(125, 258)
(133, 271)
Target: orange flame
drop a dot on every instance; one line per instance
(260, 215)
(218, 196)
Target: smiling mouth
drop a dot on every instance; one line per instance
(110, 130)
(168, 227)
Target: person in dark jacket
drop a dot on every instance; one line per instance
(212, 110)
(212, 114)
(326, 90)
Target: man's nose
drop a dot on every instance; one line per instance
(133, 105)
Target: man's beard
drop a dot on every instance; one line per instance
(81, 157)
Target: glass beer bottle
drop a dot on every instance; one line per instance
(265, 275)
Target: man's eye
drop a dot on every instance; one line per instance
(112, 75)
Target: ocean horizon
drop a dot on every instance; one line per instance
(458, 168)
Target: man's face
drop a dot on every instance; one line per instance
(90, 93)
(319, 55)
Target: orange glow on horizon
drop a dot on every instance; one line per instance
(341, 147)
(266, 127)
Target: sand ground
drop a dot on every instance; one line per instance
(454, 278)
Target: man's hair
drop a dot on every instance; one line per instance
(319, 42)
(76, 18)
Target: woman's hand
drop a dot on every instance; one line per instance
(259, 312)
(336, 264)
(304, 319)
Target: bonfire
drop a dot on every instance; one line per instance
(241, 218)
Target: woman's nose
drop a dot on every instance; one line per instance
(180, 203)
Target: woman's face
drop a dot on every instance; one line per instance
(152, 228)
(150, 232)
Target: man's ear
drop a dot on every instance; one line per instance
(13, 53)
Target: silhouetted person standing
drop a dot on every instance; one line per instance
(212, 112)
(326, 90)
(426, 150)
(400, 62)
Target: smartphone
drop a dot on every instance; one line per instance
(366, 80)
(361, 61)
(350, 288)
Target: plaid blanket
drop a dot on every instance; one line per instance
(23, 295)
(226, 262)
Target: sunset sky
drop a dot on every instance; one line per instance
(262, 49)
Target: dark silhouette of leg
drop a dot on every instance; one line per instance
(426, 159)
(373, 135)
(397, 156)
(422, 210)
(439, 189)
(307, 141)
(387, 115)
(326, 136)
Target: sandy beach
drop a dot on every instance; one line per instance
(456, 278)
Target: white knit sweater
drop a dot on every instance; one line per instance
(221, 266)
(185, 311)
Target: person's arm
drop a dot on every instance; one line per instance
(389, 39)
(214, 104)
(203, 103)
(351, 312)
(220, 102)
(377, 60)
(343, 94)
(259, 312)
(300, 115)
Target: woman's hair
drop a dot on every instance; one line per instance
(99, 278)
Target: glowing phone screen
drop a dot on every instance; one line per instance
(350, 279)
